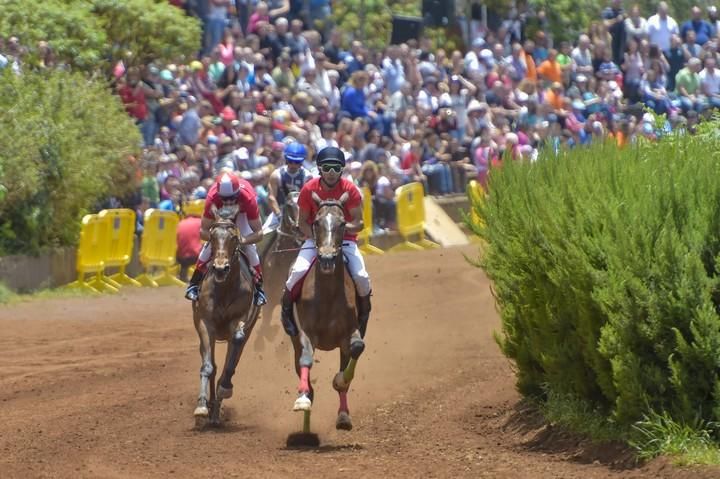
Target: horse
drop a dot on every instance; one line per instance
(223, 312)
(327, 313)
(279, 252)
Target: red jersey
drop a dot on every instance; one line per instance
(306, 202)
(188, 237)
(247, 201)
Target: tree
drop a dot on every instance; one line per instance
(94, 34)
(67, 142)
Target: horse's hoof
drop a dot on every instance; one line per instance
(302, 403)
(343, 422)
(201, 411)
(339, 383)
(224, 393)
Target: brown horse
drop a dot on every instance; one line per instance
(327, 312)
(224, 311)
(281, 249)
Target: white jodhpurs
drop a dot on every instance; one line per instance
(250, 250)
(353, 258)
(271, 223)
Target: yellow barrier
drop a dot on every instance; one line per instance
(91, 253)
(120, 243)
(158, 248)
(410, 204)
(194, 208)
(476, 195)
(364, 236)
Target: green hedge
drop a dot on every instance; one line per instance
(604, 264)
(67, 142)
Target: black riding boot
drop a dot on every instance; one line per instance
(287, 314)
(193, 288)
(364, 307)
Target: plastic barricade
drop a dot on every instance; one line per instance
(194, 208)
(91, 253)
(120, 243)
(476, 195)
(410, 204)
(364, 236)
(158, 248)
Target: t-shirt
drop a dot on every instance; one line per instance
(188, 237)
(307, 203)
(247, 201)
(688, 79)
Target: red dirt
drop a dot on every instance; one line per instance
(105, 387)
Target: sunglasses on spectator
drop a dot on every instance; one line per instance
(336, 168)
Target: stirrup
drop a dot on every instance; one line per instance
(192, 292)
(259, 298)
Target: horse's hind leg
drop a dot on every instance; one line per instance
(304, 356)
(349, 355)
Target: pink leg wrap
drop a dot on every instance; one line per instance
(343, 402)
(304, 380)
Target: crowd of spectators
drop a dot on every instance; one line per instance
(272, 72)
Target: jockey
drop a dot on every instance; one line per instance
(330, 186)
(290, 177)
(228, 189)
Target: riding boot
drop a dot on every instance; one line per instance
(364, 307)
(287, 314)
(193, 288)
(259, 296)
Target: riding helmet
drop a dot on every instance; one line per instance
(330, 154)
(295, 152)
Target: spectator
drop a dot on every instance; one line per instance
(614, 21)
(703, 30)
(661, 27)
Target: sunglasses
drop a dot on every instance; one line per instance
(336, 168)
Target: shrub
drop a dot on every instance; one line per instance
(604, 264)
(66, 143)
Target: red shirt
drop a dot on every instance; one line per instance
(247, 201)
(188, 237)
(306, 202)
(134, 101)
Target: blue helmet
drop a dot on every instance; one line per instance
(295, 152)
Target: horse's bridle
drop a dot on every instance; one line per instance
(226, 224)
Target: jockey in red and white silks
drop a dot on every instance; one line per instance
(330, 186)
(229, 189)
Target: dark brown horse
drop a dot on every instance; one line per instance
(281, 249)
(327, 312)
(224, 311)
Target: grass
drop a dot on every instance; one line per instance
(686, 444)
(8, 296)
(579, 417)
(693, 444)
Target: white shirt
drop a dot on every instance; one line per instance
(710, 82)
(660, 30)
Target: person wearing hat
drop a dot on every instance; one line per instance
(329, 186)
(292, 176)
(226, 155)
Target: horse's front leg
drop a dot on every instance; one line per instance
(236, 344)
(349, 354)
(207, 368)
(304, 363)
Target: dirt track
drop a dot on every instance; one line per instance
(105, 387)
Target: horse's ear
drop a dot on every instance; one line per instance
(344, 198)
(316, 198)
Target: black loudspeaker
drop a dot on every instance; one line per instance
(405, 28)
(438, 13)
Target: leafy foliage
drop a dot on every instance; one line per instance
(66, 143)
(94, 34)
(605, 267)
